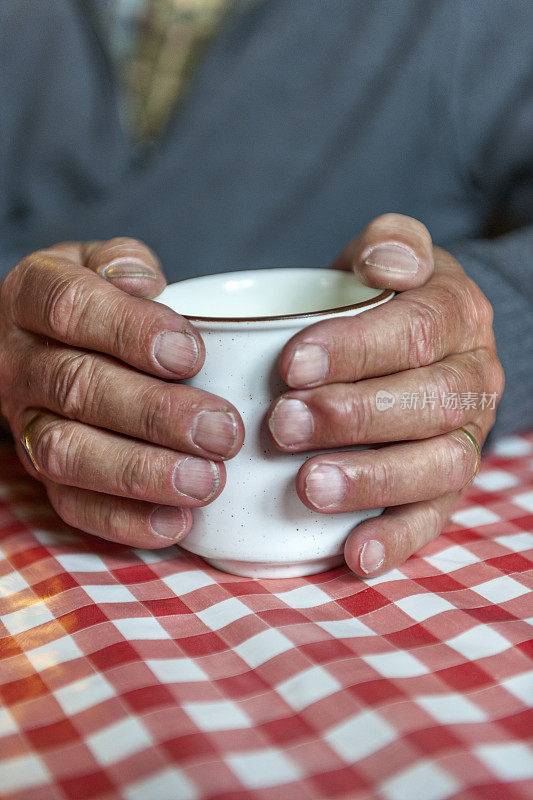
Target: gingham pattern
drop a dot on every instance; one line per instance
(150, 676)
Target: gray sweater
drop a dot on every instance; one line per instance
(306, 119)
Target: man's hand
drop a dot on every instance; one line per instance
(87, 371)
(431, 351)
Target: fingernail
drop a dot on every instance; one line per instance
(215, 431)
(291, 422)
(325, 486)
(127, 267)
(372, 556)
(310, 363)
(196, 477)
(177, 352)
(167, 522)
(392, 258)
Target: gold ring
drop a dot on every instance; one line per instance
(25, 440)
(472, 439)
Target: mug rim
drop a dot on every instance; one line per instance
(379, 298)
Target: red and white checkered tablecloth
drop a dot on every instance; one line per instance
(151, 676)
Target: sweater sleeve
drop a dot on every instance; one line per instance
(491, 102)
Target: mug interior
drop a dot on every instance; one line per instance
(275, 293)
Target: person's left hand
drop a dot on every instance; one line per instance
(432, 349)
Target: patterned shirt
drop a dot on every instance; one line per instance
(155, 47)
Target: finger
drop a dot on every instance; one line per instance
(388, 476)
(54, 296)
(118, 519)
(420, 403)
(382, 543)
(127, 263)
(393, 252)
(99, 391)
(449, 315)
(70, 453)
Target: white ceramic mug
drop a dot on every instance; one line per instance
(258, 526)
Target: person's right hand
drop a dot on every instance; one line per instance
(87, 365)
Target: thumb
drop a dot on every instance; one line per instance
(126, 263)
(393, 252)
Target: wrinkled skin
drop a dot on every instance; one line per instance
(125, 451)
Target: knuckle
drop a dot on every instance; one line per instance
(7, 291)
(457, 463)
(30, 262)
(498, 377)
(485, 310)
(347, 416)
(135, 478)
(478, 307)
(493, 373)
(450, 286)
(475, 370)
(460, 380)
(449, 384)
(361, 410)
(423, 335)
(474, 366)
(114, 522)
(55, 451)
(357, 347)
(349, 342)
(15, 280)
(64, 304)
(75, 383)
(156, 407)
(448, 296)
(165, 411)
(124, 522)
(378, 477)
(123, 327)
(406, 540)
(479, 368)
(133, 326)
(9, 366)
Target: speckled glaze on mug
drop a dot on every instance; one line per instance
(259, 527)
